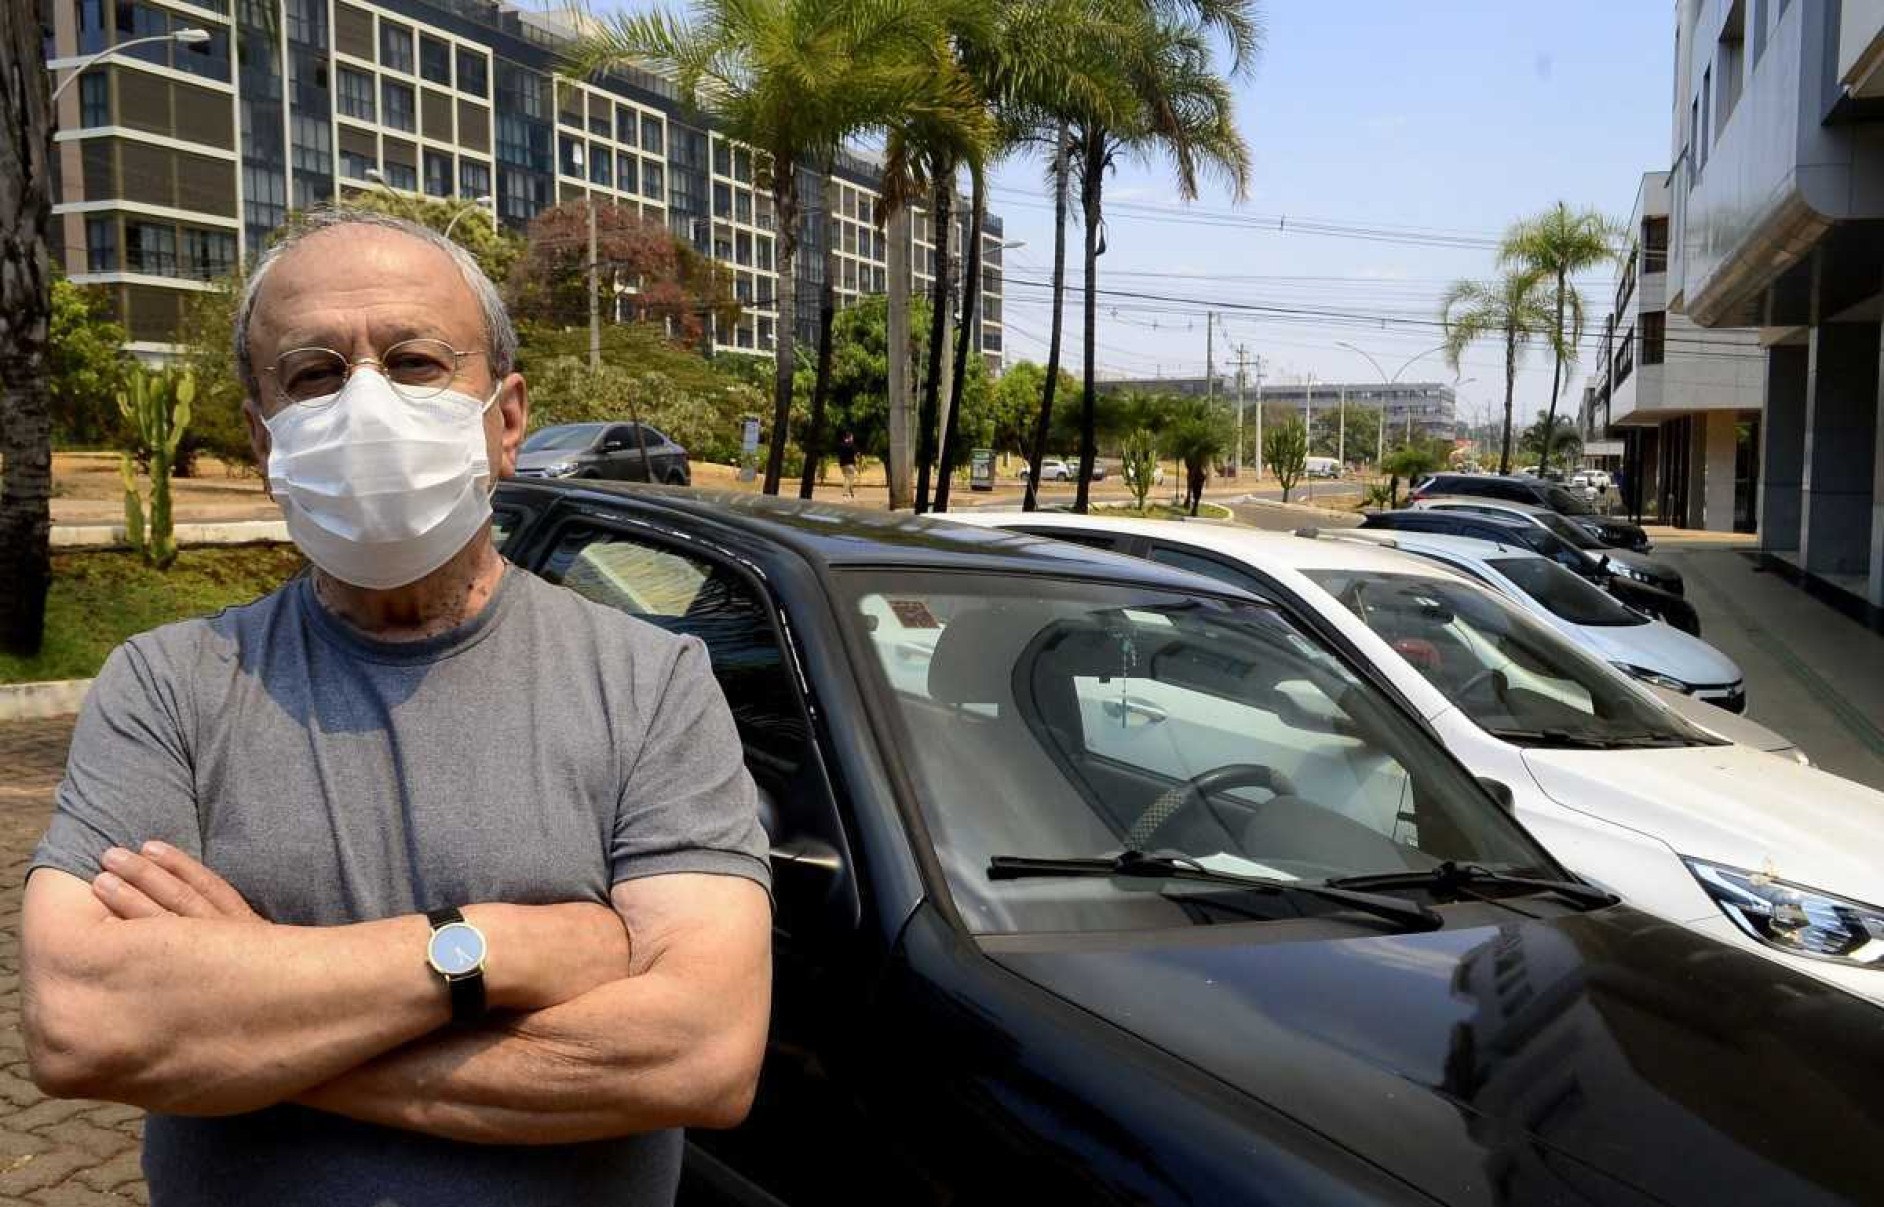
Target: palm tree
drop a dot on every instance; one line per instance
(1181, 108)
(25, 320)
(1557, 245)
(793, 79)
(1513, 308)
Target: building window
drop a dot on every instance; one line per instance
(722, 201)
(601, 164)
(95, 99)
(628, 173)
(625, 119)
(742, 166)
(402, 176)
(473, 75)
(569, 159)
(651, 137)
(354, 165)
(1654, 328)
(356, 94)
(438, 174)
(152, 248)
(474, 179)
(400, 110)
(653, 179)
(92, 34)
(101, 244)
(434, 60)
(395, 46)
(313, 145)
(208, 255)
(722, 158)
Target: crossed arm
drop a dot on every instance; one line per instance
(156, 985)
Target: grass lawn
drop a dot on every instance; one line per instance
(98, 599)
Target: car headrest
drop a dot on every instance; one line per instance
(974, 657)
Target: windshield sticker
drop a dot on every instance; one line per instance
(914, 614)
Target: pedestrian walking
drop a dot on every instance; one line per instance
(847, 462)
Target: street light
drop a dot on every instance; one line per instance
(1380, 451)
(477, 204)
(182, 37)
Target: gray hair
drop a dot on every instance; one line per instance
(500, 337)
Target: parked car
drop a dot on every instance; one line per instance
(1322, 467)
(1052, 469)
(1056, 838)
(1157, 475)
(1519, 489)
(1627, 791)
(1638, 566)
(1521, 533)
(603, 450)
(1648, 649)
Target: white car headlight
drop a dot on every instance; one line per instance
(562, 469)
(1656, 677)
(1793, 918)
(1634, 572)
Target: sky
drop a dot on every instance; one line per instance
(1454, 117)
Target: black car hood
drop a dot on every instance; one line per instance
(1604, 1057)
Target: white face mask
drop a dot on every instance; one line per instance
(377, 491)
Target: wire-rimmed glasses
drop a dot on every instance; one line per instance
(418, 370)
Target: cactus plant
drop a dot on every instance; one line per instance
(159, 423)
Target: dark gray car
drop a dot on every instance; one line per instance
(603, 450)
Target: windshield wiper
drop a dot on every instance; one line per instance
(1457, 878)
(1585, 741)
(1409, 915)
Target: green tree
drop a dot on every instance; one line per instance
(1285, 452)
(793, 79)
(1557, 245)
(1547, 442)
(1139, 457)
(472, 226)
(86, 366)
(1196, 433)
(1412, 461)
(207, 335)
(1513, 309)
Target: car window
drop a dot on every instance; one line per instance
(1566, 531)
(1199, 562)
(1565, 503)
(1090, 540)
(688, 594)
(564, 438)
(1053, 718)
(1563, 594)
(1506, 671)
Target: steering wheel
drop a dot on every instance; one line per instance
(1197, 790)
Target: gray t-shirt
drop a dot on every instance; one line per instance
(541, 752)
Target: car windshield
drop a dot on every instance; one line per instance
(1508, 672)
(1568, 531)
(1563, 594)
(562, 439)
(1050, 718)
(1565, 502)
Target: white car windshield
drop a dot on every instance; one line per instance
(1512, 675)
(1054, 719)
(1563, 594)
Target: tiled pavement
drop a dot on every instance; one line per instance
(52, 1153)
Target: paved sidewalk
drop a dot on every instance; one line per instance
(53, 1154)
(1812, 673)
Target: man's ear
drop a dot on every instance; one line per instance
(258, 438)
(513, 410)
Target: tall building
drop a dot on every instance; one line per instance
(1420, 408)
(175, 161)
(1775, 224)
(1675, 405)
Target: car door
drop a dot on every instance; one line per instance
(795, 1145)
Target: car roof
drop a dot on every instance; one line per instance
(831, 535)
(1323, 550)
(1466, 547)
(1513, 505)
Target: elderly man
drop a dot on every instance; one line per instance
(418, 880)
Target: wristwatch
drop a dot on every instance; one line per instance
(456, 953)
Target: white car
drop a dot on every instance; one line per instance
(1650, 650)
(1758, 850)
(1052, 469)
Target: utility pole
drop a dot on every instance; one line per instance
(1259, 418)
(595, 300)
(1341, 436)
(1236, 452)
(901, 466)
(1210, 358)
(1380, 434)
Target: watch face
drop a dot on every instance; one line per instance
(456, 949)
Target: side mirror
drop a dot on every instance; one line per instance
(1499, 790)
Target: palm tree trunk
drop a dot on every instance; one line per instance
(1556, 375)
(1511, 384)
(25, 318)
(785, 206)
(941, 218)
(1088, 438)
(827, 318)
(965, 338)
(1037, 453)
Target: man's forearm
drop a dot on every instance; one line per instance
(208, 1016)
(639, 1054)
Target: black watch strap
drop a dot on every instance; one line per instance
(467, 992)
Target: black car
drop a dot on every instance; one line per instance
(1519, 489)
(626, 452)
(1100, 882)
(1641, 567)
(1522, 534)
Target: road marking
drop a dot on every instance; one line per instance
(1834, 702)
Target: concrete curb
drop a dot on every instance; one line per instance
(39, 701)
(232, 532)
